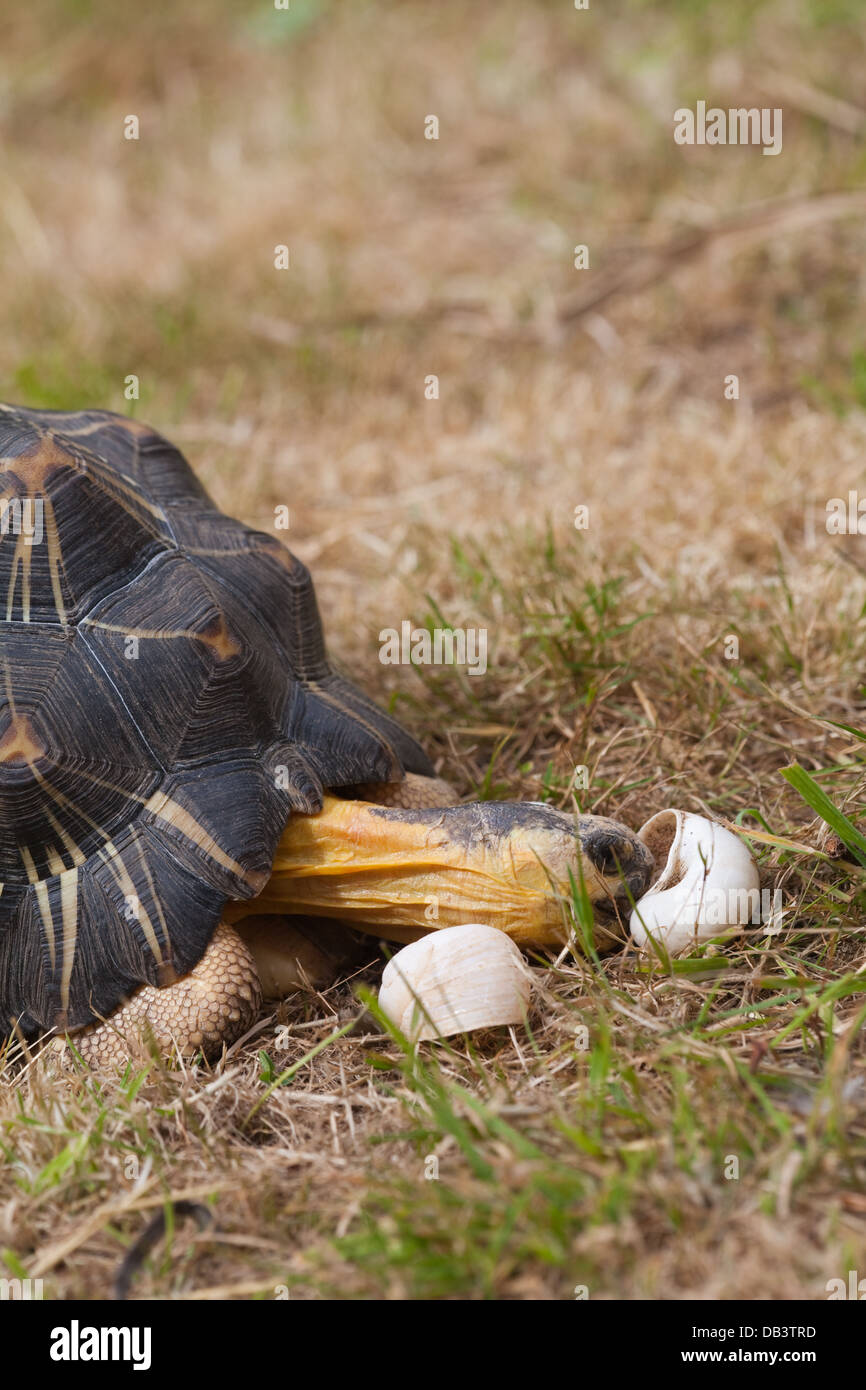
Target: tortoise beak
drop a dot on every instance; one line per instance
(622, 861)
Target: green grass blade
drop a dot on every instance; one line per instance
(820, 802)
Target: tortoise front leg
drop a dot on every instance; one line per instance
(214, 1004)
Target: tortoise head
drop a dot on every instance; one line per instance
(613, 864)
(621, 865)
(504, 863)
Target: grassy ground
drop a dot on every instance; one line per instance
(608, 1168)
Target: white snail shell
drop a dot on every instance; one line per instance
(454, 980)
(709, 882)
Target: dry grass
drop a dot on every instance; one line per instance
(558, 1167)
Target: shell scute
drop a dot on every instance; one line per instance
(165, 703)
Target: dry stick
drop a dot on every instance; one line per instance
(783, 214)
(832, 110)
(153, 1232)
(52, 1255)
(638, 273)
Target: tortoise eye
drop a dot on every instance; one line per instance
(608, 857)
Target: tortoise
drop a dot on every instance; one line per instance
(176, 750)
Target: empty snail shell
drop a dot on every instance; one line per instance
(708, 883)
(454, 980)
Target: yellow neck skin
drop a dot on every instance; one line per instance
(400, 876)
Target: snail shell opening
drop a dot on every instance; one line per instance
(659, 835)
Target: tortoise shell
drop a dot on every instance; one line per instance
(166, 703)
